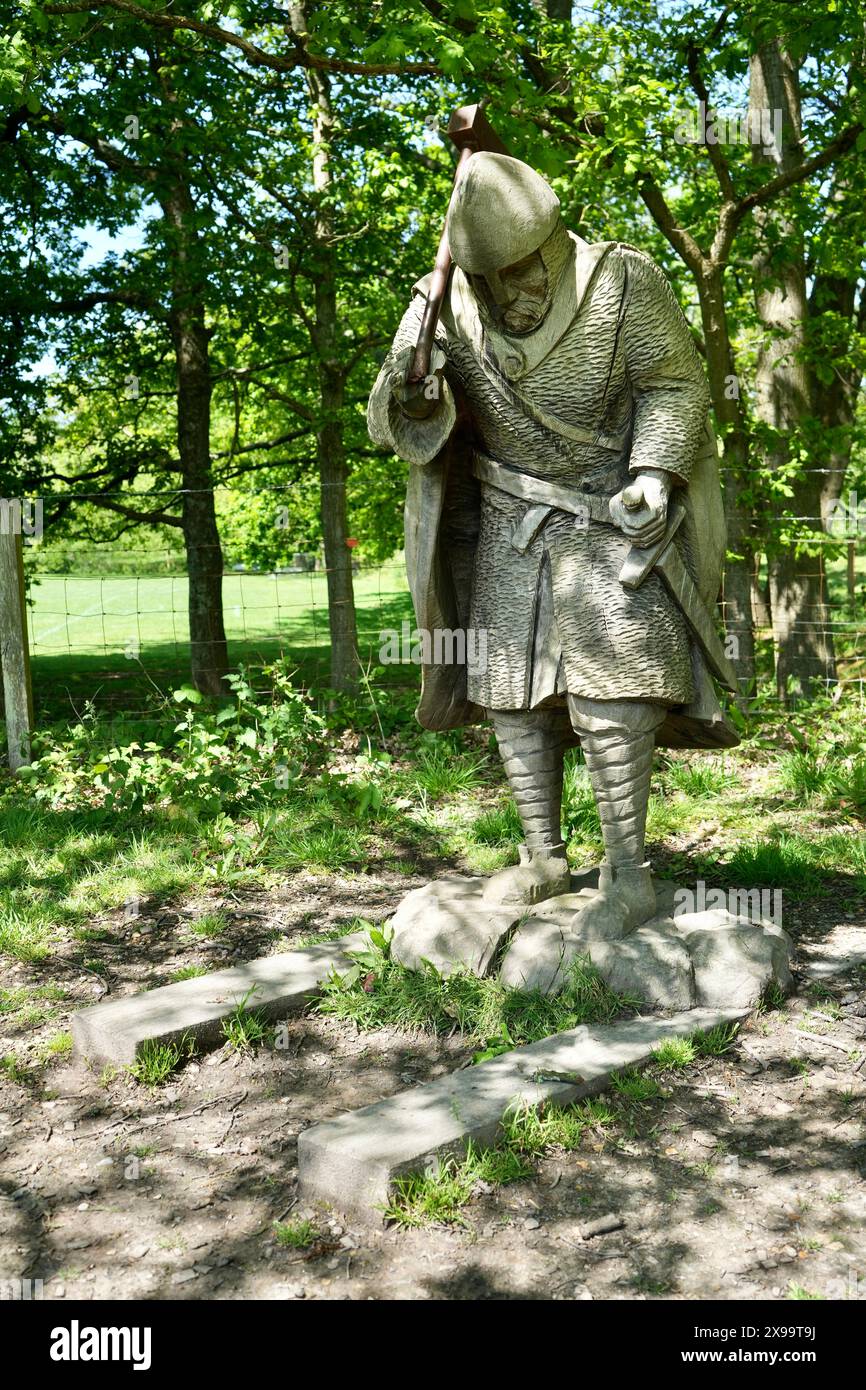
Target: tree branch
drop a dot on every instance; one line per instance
(682, 241)
(298, 57)
(149, 518)
(133, 299)
(262, 444)
(110, 156)
(840, 145)
(714, 152)
(296, 406)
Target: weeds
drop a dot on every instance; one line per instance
(296, 1234)
(157, 1061)
(439, 1198)
(377, 992)
(244, 1028)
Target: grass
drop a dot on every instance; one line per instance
(244, 1028)
(382, 993)
(158, 1061)
(210, 924)
(325, 846)
(315, 938)
(534, 1130)
(60, 1045)
(28, 1006)
(715, 1042)
(635, 1085)
(441, 772)
(674, 1054)
(805, 773)
(83, 616)
(773, 998)
(12, 1068)
(63, 871)
(26, 934)
(785, 862)
(581, 825)
(188, 972)
(58, 869)
(499, 827)
(699, 778)
(296, 1234)
(439, 1198)
(825, 777)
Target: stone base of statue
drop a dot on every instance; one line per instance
(715, 958)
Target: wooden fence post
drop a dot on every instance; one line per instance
(14, 650)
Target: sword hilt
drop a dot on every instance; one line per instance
(632, 497)
(641, 559)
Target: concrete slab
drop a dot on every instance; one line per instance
(116, 1031)
(352, 1161)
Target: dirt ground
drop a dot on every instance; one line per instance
(744, 1180)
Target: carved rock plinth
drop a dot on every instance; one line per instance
(716, 958)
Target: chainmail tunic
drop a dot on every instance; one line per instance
(557, 617)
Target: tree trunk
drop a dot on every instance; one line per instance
(761, 616)
(330, 445)
(207, 638)
(727, 408)
(798, 599)
(835, 398)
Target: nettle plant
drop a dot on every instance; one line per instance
(246, 750)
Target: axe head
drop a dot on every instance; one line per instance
(469, 129)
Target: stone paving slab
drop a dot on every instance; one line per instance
(352, 1161)
(116, 1031)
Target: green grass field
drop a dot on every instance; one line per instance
(111, 640)
(107, 639)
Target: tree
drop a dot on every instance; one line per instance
(241, 176)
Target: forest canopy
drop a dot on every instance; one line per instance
(214, 214)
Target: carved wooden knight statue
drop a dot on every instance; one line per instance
(564, 502)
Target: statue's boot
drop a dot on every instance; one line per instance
(531, 744)
(619, 761)
(540, 874)
(545, 948)
(618, 742)
(626, 898)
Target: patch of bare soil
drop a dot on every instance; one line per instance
(744, 1180)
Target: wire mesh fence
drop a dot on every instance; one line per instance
(108, 619)
(108, 623)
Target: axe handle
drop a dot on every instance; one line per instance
(436, 293)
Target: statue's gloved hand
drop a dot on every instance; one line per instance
(418, 398)
(640, 510)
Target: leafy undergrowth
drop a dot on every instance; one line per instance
(122, 818)
(377, 992)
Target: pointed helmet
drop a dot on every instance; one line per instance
(501, 211)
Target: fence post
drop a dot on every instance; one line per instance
(14, 651)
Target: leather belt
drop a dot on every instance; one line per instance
(544, 498)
